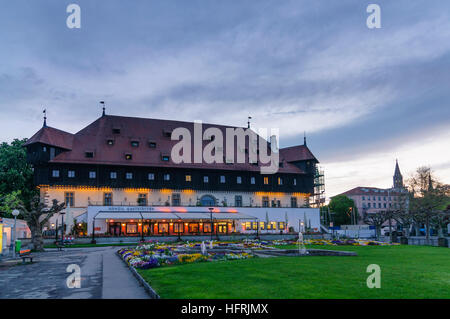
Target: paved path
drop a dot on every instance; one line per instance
(103, 275)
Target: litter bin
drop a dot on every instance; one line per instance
(18, 245)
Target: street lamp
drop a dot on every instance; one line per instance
(15, 213)
(62, 227)
(211, 219)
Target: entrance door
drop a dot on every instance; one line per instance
(222, 228)
(114, 229)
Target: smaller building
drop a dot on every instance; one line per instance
(7, 232)
(373, 199)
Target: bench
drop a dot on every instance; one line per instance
(59, 246)
(25, 254)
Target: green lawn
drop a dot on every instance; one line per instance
(406, 272)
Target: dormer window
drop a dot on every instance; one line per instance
(89, 154)
(165, 158)
(116, 130)
(135, 143)
(152, 144)
(110, 141)
(128, 156)
(167, 132)
(129, 175)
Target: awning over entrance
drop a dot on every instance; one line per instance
(171, 215)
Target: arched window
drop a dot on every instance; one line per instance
(208, 200)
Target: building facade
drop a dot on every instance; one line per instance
(120, 162)
(373, 199)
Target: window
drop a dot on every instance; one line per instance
(135, 143)
(207, 227)
(89, 154)
(262, 225)
(294, 202)
(384, 205)
(52, 153)
(205, 179)
(252, 180)
(167, 177)
(176, 199)
(265, 201)
(110, 142)
(71, 174)
(364, 205)
(368, 205)
(163, 228)
(188, 178)
(379, 205)
(152, 144)
(193, 227)
(247, 225)
(266, 180)
(116, 130)
(142, 199)
(295, 182)
(222, 179)
(178, 227)
(132, 228)
(44, 149)
(281, 225)
(280, 181)
(128, 156)
(55, 173)
(113, 175)
(239, 180)
(151, 176)
(165, 158)
(107, 199)
(69, 199)
(364, 198)
(92, 174)
(129, 175)
(238, 201)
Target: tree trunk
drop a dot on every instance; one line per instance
(427, 229)
(36, 237)
(417, 229)
(390, 231)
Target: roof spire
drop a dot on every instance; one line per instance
(103, 103)
(45, 117)
(248, 122)
(304, 138)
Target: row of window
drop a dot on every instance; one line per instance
(369, 205)
(264, 225)
(166, 177)
(69, 199)
(379, 198)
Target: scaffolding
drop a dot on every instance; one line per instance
(318, 198)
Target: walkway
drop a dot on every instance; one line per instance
(103, 275)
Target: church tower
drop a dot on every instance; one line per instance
(398, 178)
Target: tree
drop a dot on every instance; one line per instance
(36, 214)
(375, 219)
(342, 207)
(15, 173)
(404, 218)
(429, 196)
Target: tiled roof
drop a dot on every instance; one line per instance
(53, 137)
(370, 191)
(94, 137)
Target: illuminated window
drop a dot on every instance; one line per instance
(113, 175)
(151, 176)
(265, 201)
(178, 228)
(92, 174)
(135, 143)
(266, 180)
(281, 225)
(280, 181)
(163, 228)
(132, 228)
(129, 175)
(167, 177)
(71, 174)
(262, 225)
(188, 178)
(69, 199)
(128, 156)
(205, 179)
(207, 227)
(254, 225)
(55, 173)
(193, 227)
(248, 225)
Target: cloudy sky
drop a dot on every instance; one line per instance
(364, 96)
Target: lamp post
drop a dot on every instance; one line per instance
(15, 213)
(62, 228)
(211, 220)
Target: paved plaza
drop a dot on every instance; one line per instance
(103, 275)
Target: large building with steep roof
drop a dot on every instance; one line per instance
(119, 161)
